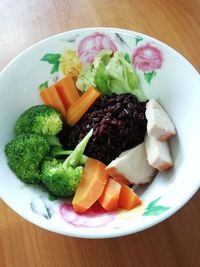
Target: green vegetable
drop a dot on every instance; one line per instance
(83, 83)
(58, 151)
(40, 119)
(60, 181)
(53, 140)
(76, 155)
(123, 78)
(25, 154)
(101, 76)
(94, 74)
(62, 178)
(110, 74)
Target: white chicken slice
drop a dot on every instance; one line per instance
(132, 166)
(158, 153)
(159, 124)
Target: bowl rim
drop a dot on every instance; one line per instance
(121, 231)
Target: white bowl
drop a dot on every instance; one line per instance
(169, 77)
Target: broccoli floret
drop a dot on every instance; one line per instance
(62, 178)
(57, 151)
(60, 182)
(40, 119)
(25, 154)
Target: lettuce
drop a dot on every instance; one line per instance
(123, 79)
(85, 78)
(110, 74)
(101, 77)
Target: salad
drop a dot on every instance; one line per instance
(94, 137)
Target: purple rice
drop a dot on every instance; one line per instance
(119, 123)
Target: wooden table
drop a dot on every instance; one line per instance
(174, 242)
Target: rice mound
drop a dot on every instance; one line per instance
(119, 123)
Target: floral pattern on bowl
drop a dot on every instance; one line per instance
(146, 57)
(96, 216)
(90, 45)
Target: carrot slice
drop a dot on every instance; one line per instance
(50, 97)
(67, 91)
(128, 199)
(91, 185)
(81, 105)
(45, 96)
(110, 197)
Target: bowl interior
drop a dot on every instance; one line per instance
(175, 83)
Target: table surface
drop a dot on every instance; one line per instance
(174, 242)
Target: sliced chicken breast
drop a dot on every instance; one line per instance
(158, 153)
(132, 167)
(159, 123)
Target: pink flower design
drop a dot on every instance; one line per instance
(94, 217)
(147, 58)
(92, 44)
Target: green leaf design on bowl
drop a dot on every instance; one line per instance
(55, 68)
(121, 40)
(153, 203)
(71, 39)
(148, 76)
(43, 85)
(154, 210)
(51, 58)
(127, 57)
(138, 39)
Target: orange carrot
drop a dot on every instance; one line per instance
(67, 91)
(81, 105)
(91, 185)
(110, 197)
(45, 96)
(128, 199)
(50, 97)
